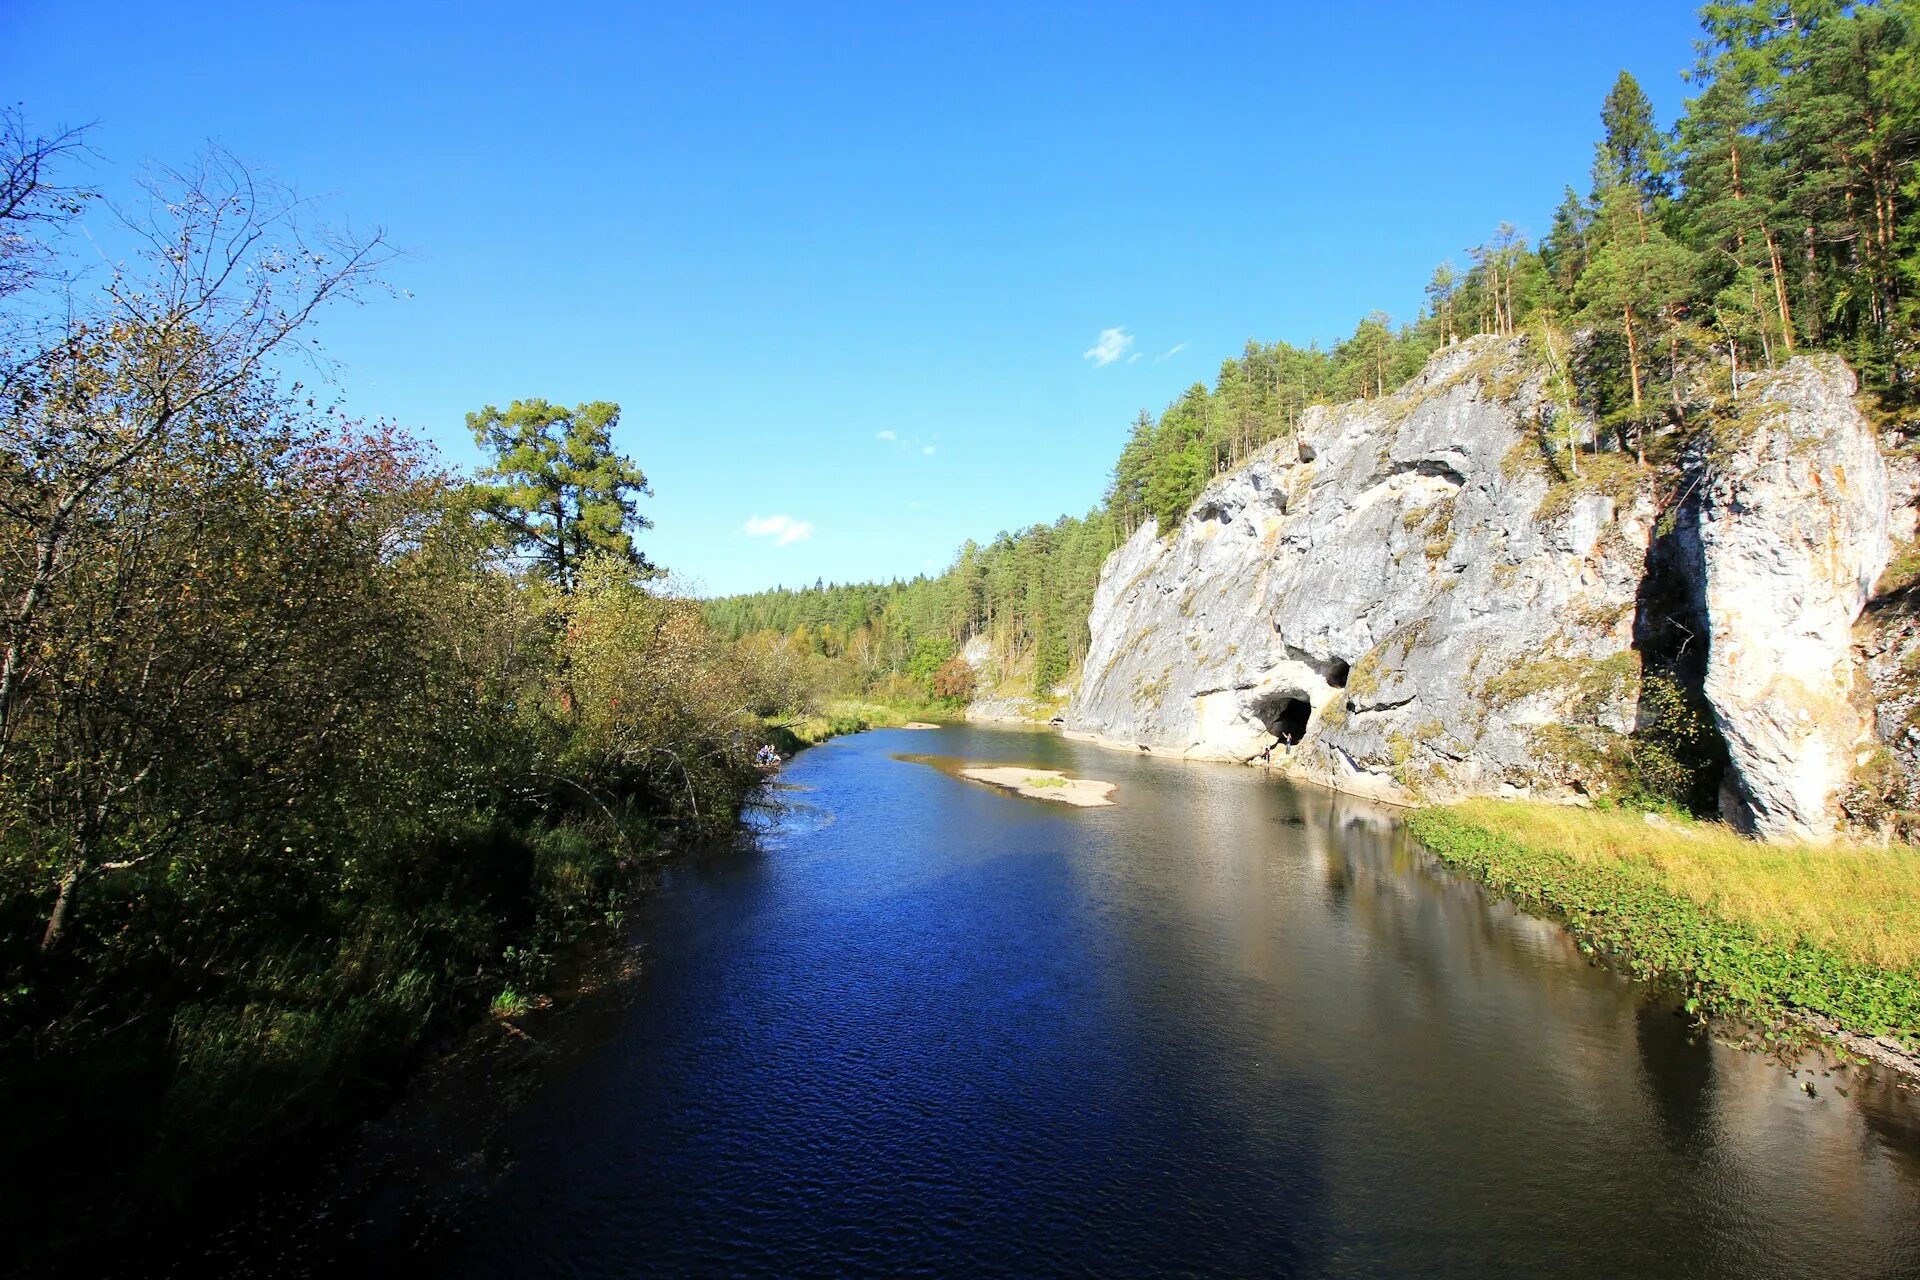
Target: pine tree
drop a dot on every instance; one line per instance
(1632, 149)
(1849, 137)
(1442, 290)
(1729, 213)
(1564, 252)
(556, 486)
(1632, 290)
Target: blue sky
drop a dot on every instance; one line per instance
(845, 264)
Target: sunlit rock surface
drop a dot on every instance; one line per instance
(1793, 529)
(994, 702)
(1415, 597)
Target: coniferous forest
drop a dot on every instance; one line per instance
(1773, 217)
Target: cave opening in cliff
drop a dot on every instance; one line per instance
(1672, 721)
(1285, 716)
(1337, 673)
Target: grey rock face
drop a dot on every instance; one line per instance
(1412, 600)
(1382, 603)
(1886, 795)
(1793, 529)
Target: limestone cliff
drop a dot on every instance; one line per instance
(1420, 597)
(1886, 791)
(1792, 523)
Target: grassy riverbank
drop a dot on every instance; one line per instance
(1769, 932)
(844, 716)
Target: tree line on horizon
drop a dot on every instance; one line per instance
(1774, 217)
(1025, 594)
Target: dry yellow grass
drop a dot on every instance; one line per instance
(1860, 901)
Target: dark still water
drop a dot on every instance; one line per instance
(1228, 1026)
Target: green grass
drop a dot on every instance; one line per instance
(1743, 928)
(1046, 782)
(1903, 568)
(841, 717)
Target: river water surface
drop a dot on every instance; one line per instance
(1226, 1026)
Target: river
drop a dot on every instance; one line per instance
(1226, 1026)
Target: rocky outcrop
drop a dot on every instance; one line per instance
(1420, 597)
(1793, 530)
(1387, 603)
(1009, 708)
(993, 702)
(1886, 792)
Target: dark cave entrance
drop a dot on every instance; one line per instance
(1337, 673)
(1673, 723)
(1285, 716)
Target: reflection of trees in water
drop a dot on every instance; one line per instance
(1739, 1142)
(1275, 881)
(1333, 989)
(1676, 1070)
(1452, 964)
(1891, 1110)
(1412, 907)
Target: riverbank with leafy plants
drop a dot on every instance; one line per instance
(312, 750)
(1790, 938)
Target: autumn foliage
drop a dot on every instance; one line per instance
(953, 682)
(296, 763)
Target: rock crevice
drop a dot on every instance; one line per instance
(1410, 599)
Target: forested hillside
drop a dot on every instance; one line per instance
(1027, 593)
(1774, 217)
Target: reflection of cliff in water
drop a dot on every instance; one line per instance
(1227, 1026)
(1347, 954)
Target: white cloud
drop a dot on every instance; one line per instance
(1113, 344)
(908, 444)
(784, 530)
(1172, 351)
(1134, 358)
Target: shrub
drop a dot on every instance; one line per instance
(953, 682)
